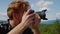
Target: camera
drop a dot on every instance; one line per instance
(42, 14)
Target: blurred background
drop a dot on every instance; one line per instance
(50, 26)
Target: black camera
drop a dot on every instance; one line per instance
(42, 14)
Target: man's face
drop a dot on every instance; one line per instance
(17, 17)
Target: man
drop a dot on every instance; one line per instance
(20, 19)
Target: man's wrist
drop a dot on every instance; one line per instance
(35, 27)
(36, 30)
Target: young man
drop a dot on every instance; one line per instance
(20, 19)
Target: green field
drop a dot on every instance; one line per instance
(50, 28)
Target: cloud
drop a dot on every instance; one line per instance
(44, 8)
(3, 16)
(42, 4)
(32, 5)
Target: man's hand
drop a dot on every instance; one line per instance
(36, 21)
(35, 25)
(27, 18)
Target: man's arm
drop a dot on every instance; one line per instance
(17, 30)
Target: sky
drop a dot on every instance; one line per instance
(52, 6)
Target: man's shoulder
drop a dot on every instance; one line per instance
(3, 25)
(5, 28)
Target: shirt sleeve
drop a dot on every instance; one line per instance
(2, 29)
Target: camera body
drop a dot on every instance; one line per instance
(42, 14)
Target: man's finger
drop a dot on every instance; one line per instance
(38, 16)
(31, 15)
(28, 11)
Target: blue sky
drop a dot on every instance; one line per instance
(53, 7)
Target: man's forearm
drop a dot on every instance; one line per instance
(17, 30)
